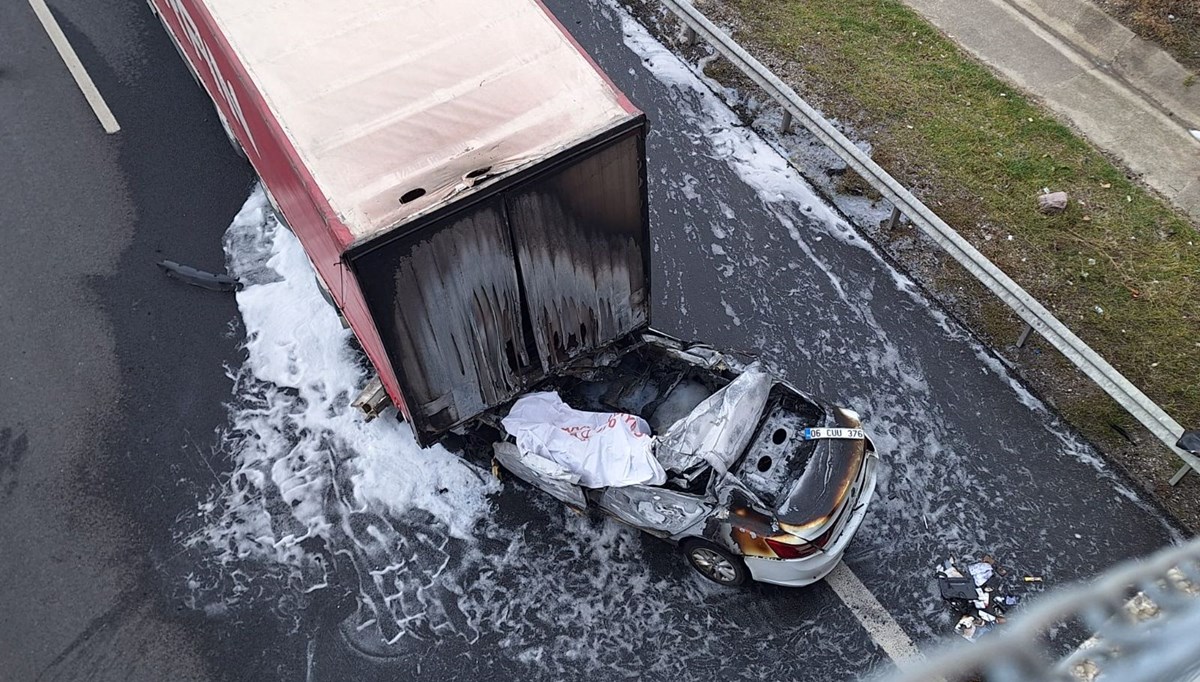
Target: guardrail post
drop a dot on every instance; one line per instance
(894, 220)
(786, 125)
(1180, 474)
(1189, 442)
(1024, 335)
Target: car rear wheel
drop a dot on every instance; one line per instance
(715, 562)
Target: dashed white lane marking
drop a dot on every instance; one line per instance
(82, 79)
(877, 621)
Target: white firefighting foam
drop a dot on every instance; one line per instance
(320, 501)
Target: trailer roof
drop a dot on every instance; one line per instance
(385, 98)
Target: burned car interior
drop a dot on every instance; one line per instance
(660, 389)
(657, 383)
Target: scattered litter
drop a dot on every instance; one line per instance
(199, 278)
(1099, 310)
(972, 628)
(1106, 185)
(949, 570)
(1032, 578)
(958, 588)
(1195, 134)
(978, 599)
(1091, 261)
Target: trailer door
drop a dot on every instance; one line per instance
(582, 245)
(479, 303)
(451, 315)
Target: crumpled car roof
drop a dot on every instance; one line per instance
(718, 429)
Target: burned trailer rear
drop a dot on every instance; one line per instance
(469, 186)
(483, 299)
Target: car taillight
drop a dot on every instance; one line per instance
(823, 539)
(785, 550)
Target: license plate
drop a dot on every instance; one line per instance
(815, 433)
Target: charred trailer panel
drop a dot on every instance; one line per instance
(479, 301)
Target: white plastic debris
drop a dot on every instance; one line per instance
(949, 569)
(981, 572)
(602, 448)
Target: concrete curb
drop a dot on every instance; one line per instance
(1123, 93)
(1140, 64)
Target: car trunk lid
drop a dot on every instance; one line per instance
(816, 500)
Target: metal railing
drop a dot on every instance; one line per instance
(1149, 637)
(1033, 313)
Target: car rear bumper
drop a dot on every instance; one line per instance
(806, 571)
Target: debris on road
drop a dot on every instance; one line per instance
(972, 628)
(956, 588)
(981, 571)
(199, 278)
(978, 598)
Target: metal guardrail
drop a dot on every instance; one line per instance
(1035, 315)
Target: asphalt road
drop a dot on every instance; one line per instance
(113, 380)
(114, 389)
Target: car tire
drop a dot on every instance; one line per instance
(715, 562)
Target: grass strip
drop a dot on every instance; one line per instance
(1120, 267)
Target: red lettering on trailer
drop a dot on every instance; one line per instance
(223, 86)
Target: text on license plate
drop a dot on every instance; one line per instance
(814, 433)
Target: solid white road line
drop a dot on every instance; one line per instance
(878, 622)
(82, 79)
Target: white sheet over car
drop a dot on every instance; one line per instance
(602, 448)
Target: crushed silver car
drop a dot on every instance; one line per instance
(758, 480)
